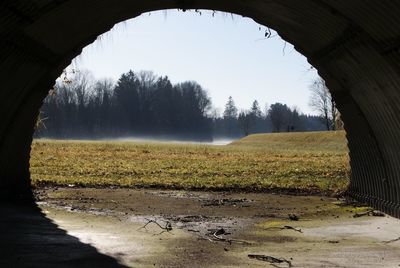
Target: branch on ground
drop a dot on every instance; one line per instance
(391, 241)
(167, 228)
(270, 259)
(286, 227)
(216, 236)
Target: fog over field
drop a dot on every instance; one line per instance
(220, 141)
(177, 140)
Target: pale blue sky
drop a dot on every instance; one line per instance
(228, 57)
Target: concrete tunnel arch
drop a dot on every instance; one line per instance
(354, 45)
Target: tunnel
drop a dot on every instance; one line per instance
(354, 45)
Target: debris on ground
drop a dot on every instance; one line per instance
(190, 218)
(220, 232)
(348, 201)
(266, 215)
(391, 241)
(286, 227)
(377, 213)
(226, 202)
(192, 241)
(216, 236)
(293, 217)
(374, 213)
(270, 259)
(167, 228)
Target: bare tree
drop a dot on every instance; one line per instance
(102, 89)
(81, 86)
(322, 102)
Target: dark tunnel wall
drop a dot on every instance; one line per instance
(355, 45)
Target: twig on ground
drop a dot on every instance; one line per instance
(216, 236)
(167, 228)
(270, 259)
(391, 241)
(286, 227)
(292, 228)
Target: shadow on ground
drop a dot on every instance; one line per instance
(29, 239)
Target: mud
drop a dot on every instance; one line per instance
(222, 229)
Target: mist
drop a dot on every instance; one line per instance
(220, 141)
(171, 139)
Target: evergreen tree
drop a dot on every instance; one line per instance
(127, 101)
(230, 111)
(230, 117)
(255, 109)
(255, 116)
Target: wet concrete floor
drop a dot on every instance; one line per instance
(160, 228)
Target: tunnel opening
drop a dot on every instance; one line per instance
(83, 108)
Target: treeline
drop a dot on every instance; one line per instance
(143, 104)
(140, 104)
(277, 117)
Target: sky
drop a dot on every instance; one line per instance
(227, 55)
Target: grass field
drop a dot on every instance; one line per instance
(290, 162)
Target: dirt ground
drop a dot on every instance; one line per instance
(162, 228)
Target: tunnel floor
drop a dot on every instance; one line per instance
(130, 228)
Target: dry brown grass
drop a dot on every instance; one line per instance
(290, 162)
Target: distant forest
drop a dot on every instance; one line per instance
(144, 105)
